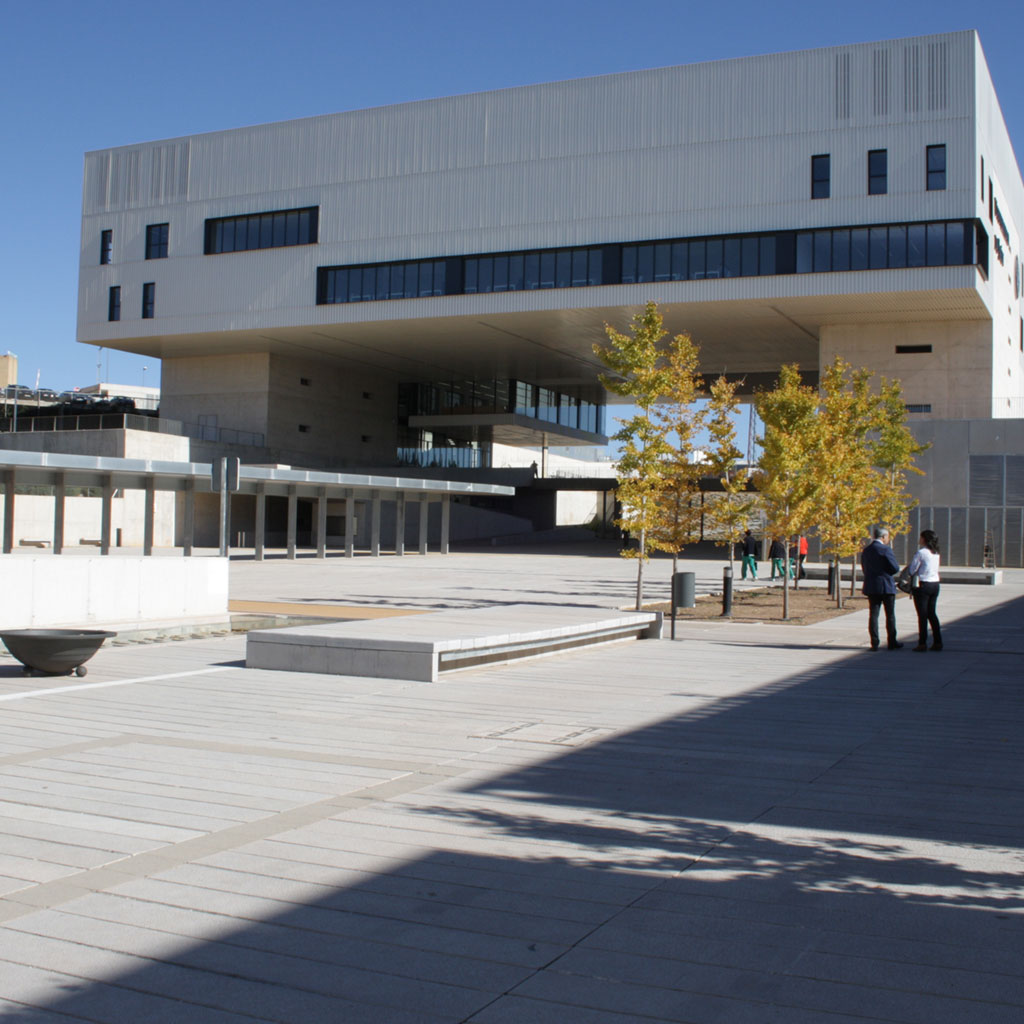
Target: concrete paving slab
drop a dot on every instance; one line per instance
(752, 824)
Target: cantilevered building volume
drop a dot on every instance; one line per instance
(410, 283)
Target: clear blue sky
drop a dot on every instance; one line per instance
(81, 76)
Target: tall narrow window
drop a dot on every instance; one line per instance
(148, 300)
(106, 246)
(114, 303)
(878, 172)
(936, 168)
(156, 241)
(821, 176)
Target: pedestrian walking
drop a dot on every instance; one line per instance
(879, 566)
(925, 566)
(777, 553)
(749, 551)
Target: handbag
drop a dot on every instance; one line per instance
(906, 584)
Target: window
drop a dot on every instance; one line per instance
(821, 176)
(878, 172)
(262, 230)
(114, 303)
(910, 349)
(156, 241)
(935, 161)
(106, 246)
(303, 428)
(148, 300)
(919, 408)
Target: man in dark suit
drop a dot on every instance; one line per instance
(879, 566)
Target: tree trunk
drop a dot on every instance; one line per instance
(853, 575)
(785, 593)
(796, 562)
(839, 582)
(640, 570)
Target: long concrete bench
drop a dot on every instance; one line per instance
(958, 574)
(422, 646)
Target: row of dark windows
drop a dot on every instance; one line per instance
(148, 301)
(885, 246)
(262, 230)
(500, 395)
(878, 172)
(157, 237)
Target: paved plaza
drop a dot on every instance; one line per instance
(753, 824)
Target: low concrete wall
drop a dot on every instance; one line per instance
(73, 590)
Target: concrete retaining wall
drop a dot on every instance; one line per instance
(73, 590)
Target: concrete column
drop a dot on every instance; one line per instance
(293, 518)
(8, 511)
(321, 522)
(188, 527)
(150, 513)
(424, 510)
(261, 522)
(106, 514)
(446, 522)
(350, 525)
(375, 523)
(400, 524)
(59, 489)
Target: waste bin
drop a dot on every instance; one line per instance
(684, 589)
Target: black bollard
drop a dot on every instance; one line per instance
(727, 591)
(831, 579)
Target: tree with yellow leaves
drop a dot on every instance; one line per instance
(638, 373)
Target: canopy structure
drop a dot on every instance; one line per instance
(109, 474)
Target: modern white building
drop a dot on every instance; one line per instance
(412, 283)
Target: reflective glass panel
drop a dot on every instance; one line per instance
(915, 245)
(547, 270)
(822, 251)
(697, 256)
(515, 273)
(291, 234)
(748, 257)
(859, 249)
(628, 264)
(563, 269)
(531, 270)
(766, 256)
(595, 275)
(804, 252)
(731, 258)
(878, 248)
(579, 267)
(662, 262)
(383, 282)
(485, 274)
(713, 268)
(897, 246)
(439, 272)
(397, 290)
(936, 245)
(679, 261)
(841, 250)
(500, 274)
(645, 263)
(955, 243)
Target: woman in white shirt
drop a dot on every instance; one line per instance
(925, 566)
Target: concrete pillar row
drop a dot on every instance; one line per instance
(446, 522)
(424, 511)
(375, 523)
(350, 524)
(106, 514)
(149, 516)
(8, 511)
(400, 523)
(321, 522)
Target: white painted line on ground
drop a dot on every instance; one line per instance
(116, 682)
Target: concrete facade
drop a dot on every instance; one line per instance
(703, 156)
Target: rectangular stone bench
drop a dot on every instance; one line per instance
(957, 574)
(419, 647)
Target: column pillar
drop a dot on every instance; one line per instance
(150, 515)
(8, 511)
(260, 539)
(424, 510)
(350, 524)
(293, 518)
(106, 514)
(59, 489)
(400, 524)
(446, 522)
(188, 527)
(375, 523)
(321, 522)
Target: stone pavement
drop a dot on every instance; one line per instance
(751, 824)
